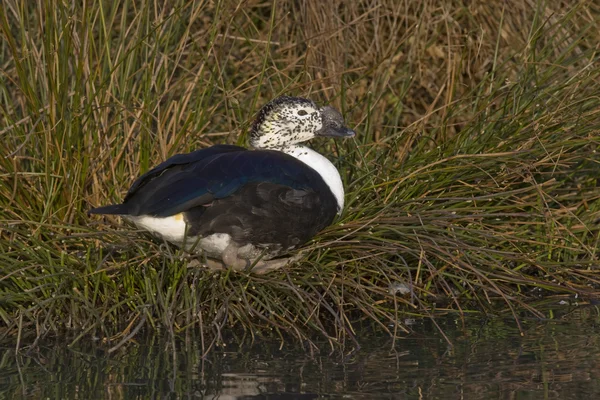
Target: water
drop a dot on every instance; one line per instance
(557, 359)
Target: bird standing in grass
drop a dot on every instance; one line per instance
(242, 208)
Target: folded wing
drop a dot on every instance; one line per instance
(186, 181)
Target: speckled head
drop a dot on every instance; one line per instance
(289, 120)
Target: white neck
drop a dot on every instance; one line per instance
(323, 166)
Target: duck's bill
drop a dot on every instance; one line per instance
(336, 132)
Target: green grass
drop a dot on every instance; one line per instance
(473, 180)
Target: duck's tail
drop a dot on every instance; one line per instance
(113, 209)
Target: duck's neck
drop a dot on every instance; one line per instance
(323, 166)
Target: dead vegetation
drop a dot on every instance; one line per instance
(474, 177)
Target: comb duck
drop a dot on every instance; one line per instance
(239, 207)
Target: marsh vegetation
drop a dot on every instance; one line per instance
(472, 185)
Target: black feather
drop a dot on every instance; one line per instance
(115, 209)
(197, 179)
(268, 215)
(180, 159)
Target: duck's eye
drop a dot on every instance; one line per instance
(302, 113)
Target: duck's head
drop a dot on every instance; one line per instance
(286, 121)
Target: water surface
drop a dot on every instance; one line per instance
(487, 359)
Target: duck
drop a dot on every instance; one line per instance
(243, 209)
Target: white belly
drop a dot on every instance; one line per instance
(172, 229)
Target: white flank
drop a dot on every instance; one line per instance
(170, 228)
(324, 167)
(173, 229)
(214, 244)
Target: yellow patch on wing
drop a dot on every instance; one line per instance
(178, 217)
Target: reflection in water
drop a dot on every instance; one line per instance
(488, 359)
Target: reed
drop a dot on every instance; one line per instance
(472, 184)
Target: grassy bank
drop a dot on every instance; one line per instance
(474, 176)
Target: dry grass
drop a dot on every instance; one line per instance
(474, 176)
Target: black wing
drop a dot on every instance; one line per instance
(191, 180)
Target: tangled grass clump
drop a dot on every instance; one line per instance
(474, 177)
